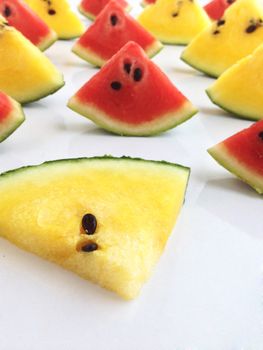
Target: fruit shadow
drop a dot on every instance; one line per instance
(213, 111)
(235, 202)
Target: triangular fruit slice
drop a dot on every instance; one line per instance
(11, 116)
(58, 16)
(216, 8)
(106, 219)
(26, 74)
(174, 21)
(92, 8)
(242, 155)
(112, 29)
(130, 95)
(228, 40)
(239, 89)
(20, 16)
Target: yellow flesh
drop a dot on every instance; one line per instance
(213, 54)
(239, 89)
(158, 19)
(26, 74)
(65, 22)
(136, 204)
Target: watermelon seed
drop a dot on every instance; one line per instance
(7, 11)
(216, 32)
(260, 135)
(175, 14)
(127, 67)
(230, 1)
(114, 20)
(90, 247)
(89, 224)
(137, 74)
(51, 12)
(221, 22)
(251, 28)
(116, 85)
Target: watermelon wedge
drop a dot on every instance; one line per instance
(112, 29)
(130, 95)
(91, 8)
(11, 116)
(242, 154)
(216, 8)
(20, 16)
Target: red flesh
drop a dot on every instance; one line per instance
(148, 2)
(94, 7)
(5, 106)
(216, 8)
(105, 39)
(247, 147)
(20, 16)
(137, 101)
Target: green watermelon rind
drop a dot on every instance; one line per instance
(46, 94)
(48, 41)
(200, 69)
(94, 59)
(15, 118)
(229, 162)
(166, 122)
(96, 158)
(239, 115)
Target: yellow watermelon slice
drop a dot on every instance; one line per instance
(106, 219)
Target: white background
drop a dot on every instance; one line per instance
(207, 291)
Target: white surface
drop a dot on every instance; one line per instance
(207, 291)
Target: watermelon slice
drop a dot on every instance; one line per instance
(242, 154)
(130, 95)
(239, 89)
(91, 8)
(59, 16)
(20, 16)
(226, 41)
(112, 29)
(11, 116)
(106, 219)
(216, 8)
(174, 21)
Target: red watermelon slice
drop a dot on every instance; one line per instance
(91, 8)
(216, 8)
(11, 116)
(112, 29)
(20, 16)
(242, 154)
(130, 95)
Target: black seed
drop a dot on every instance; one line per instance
(89, 224)
(230, 1)
(114, 20)
(51, 12)
(116, 85)
(90, 247)
(260, 135)
(127, 67)
(216, 32)
(221, 22)
(137, 74)
(7, 11)
(251, 28)
(175, 14)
